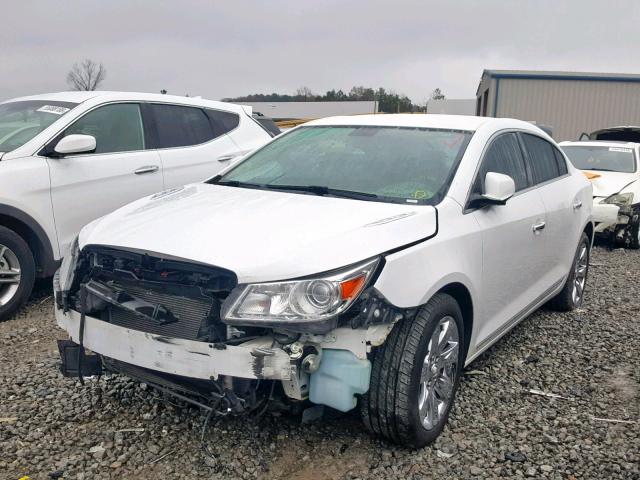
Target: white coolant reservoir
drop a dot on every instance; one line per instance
(340, 377)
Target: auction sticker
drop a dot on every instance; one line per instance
(619, 149)
(56, 110)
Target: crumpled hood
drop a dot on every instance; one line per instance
(261, 235)
(609, 183)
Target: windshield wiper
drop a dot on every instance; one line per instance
(236, 183)
(324, 191)
(601, 169)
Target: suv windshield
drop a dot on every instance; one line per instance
(601, 158)
(392, 164)
(21, 121)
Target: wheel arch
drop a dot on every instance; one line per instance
(32, 233)
(462, 296)
(589, 229)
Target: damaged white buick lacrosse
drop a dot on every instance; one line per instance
(352, 260)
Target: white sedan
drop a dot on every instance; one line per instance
(352, 259)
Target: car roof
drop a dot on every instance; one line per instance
(453, 122)
(104, 96)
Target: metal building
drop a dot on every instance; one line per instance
(570, 103)
(449, 106)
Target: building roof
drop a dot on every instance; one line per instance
(560, 75)
(310, 110)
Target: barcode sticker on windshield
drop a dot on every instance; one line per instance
(56, 110)
(618, 149)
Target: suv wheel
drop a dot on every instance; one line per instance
(415, 375)
(572, 294)
(17, 272)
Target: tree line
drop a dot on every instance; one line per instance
(88, 75)
(388, 101)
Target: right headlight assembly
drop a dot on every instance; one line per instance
(297, 304)
(620, 199)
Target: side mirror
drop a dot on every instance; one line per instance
(76, 144)
(498, 188)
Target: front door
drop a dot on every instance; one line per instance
(512, 242)
(87, 186)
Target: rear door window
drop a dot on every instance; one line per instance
(504, 155)
(542, 159)
(181, 126)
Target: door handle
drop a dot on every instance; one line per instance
(537, 227)
(577, 204)
(147, 169)
(226, 158)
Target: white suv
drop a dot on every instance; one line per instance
(69, 158)
(366, 257)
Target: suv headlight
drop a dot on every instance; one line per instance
(297, 302)
(620, 199)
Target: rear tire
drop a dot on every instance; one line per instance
(17, 272)
(572, 294)
(415, 375)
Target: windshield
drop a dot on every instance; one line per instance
(393, 164)
(601, 158)
(21, 121)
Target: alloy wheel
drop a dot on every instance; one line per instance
(438, 375)
(580, 275)
(9, 274)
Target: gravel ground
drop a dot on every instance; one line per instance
(51, 427)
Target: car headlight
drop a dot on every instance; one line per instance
(68, 267)
(297, 302)
(620, 199)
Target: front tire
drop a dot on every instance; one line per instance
(634, 231)
(17, 272)
(572, 294)
(415, 375)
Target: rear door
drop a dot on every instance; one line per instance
(512, 242)
(87, 186)
(562, 204)
(192, 142)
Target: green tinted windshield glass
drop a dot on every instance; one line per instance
(601, 158)
(23, 120)
(390, 163)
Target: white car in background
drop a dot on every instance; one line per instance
(69, 158)
(614, 170)
(366, 257)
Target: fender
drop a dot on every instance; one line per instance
(37, 239)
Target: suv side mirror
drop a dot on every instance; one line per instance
(75, 144)
(498, 188)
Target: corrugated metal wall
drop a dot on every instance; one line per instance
(569, 107)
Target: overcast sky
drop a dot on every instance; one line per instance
(240, 47)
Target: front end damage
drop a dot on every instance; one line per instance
(617, 218)
(159, 320)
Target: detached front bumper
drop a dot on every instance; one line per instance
(255, 359)
(604, 215)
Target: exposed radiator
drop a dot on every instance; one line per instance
(189, 311)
